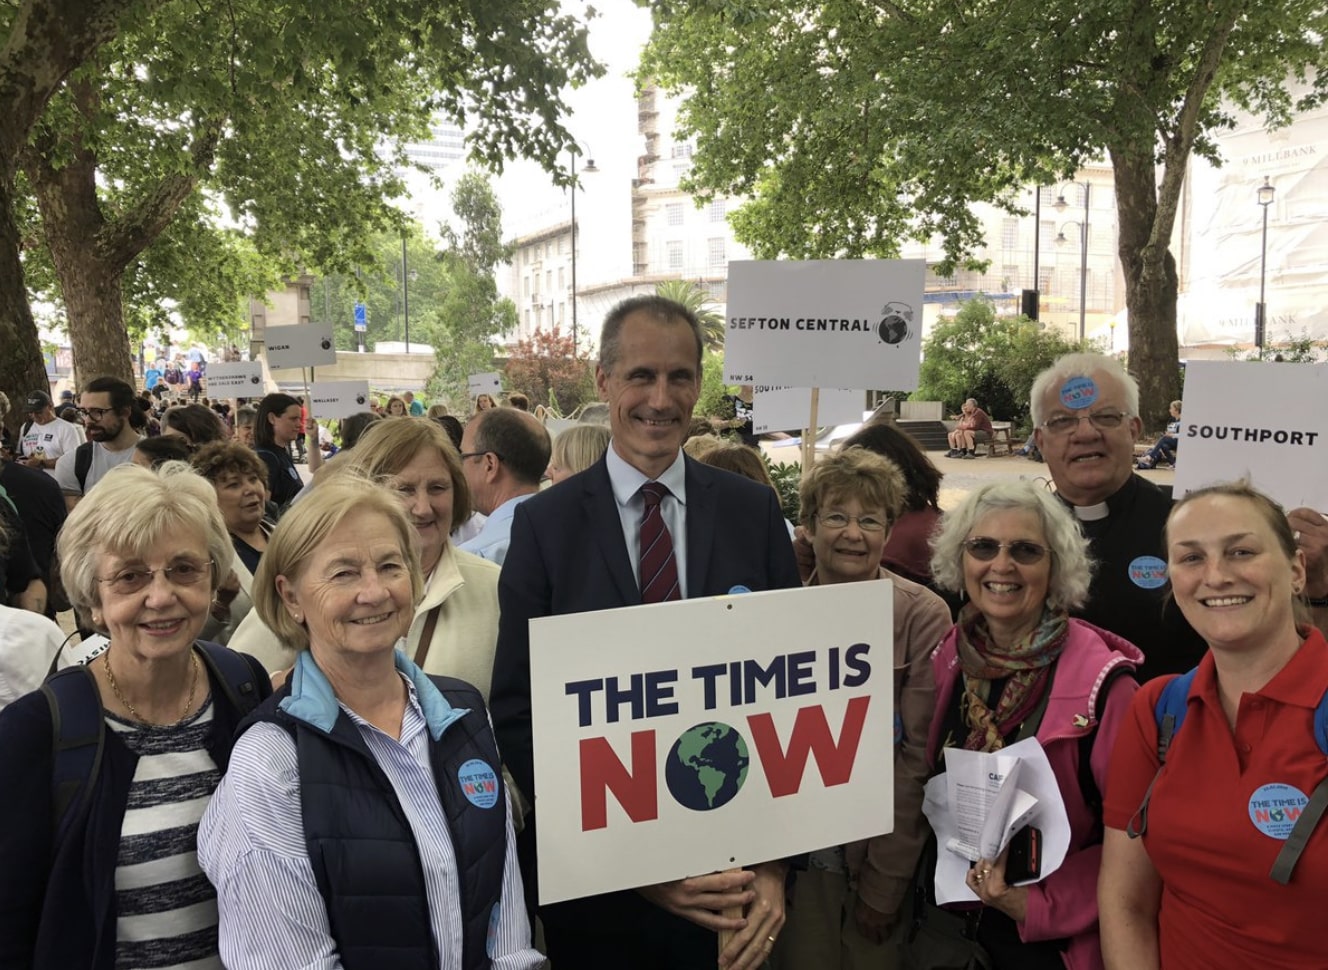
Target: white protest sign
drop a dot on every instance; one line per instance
(684, 738)
(1261, 421)
(825, 323)
(556, 426)
(338, 399)
(305, 345)
(789, 408)
(491, 383)
(241, 379)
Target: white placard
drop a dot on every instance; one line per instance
(789, 408)
(491, 384)
(556, 426)
(825, 323)
(305, 345)
(338, 399)
(1261, 421)
(240, 379)
(742, 729)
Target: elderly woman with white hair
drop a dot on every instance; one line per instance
(107, 770)
(1017, 666)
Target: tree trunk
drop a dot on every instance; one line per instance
(75, 233)
(1151, 285)
(22, 369)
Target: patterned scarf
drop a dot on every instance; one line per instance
(1027, 664)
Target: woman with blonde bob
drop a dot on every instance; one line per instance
(847, 905)
(1017, 666)
(576, 449)
(1205, 865)
(363, 821)
(113, 879)
(455, 628)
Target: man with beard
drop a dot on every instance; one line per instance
(105, 406)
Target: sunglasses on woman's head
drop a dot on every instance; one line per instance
(1021, 551)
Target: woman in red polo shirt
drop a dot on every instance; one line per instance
(1196, 888)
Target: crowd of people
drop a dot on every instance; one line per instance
(292, 744)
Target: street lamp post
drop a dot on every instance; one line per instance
(588, 167)
(1060, 204)
(1265, 196)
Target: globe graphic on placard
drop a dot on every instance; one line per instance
(706, 766)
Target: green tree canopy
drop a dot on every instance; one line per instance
(992, 359)
(858, 125)
(292, 114)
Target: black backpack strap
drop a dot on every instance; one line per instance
(83, 465)
(237, 673)
(78, 738)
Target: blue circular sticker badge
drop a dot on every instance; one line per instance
(1275, 808)
(1079, 393)
(1148, 572)
(479, 783)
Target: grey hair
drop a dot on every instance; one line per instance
(1071, 565)
(1081, 365)
(131, 510)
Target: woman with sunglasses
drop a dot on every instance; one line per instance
(847, 905)
(1017, 666)
(112, 878)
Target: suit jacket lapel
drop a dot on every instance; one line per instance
(700, 516)
(606, 525)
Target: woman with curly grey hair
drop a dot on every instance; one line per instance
(1015, 552)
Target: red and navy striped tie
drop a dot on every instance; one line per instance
(659, 567)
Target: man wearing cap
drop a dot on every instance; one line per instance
(45, 437)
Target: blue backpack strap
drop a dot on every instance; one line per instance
(78, 737)
(1170, 715)
(1285, 864)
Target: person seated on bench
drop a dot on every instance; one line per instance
(974, 428)
(1164, 452)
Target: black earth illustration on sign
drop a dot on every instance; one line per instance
(894, 326)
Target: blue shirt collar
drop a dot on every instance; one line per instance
(313, 701)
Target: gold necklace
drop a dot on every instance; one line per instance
(115, 689)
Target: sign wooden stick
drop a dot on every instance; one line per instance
(809, 434)
(733, 912)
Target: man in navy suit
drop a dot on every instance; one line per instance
(575, 549)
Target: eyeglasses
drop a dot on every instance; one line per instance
(1066, 423)
(840, 520)
(186, 572)
(96, 414)
(479, 454)
(1021, 550)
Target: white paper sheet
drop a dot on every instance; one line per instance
(978, 792)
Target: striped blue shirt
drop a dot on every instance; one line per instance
(166, 910)
(251, 844)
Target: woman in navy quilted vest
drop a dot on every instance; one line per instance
(1215, 855)
(363, 822)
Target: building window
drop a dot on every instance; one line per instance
(525, 255)
(674, 250)
(562, 280)
(562, 313)
(525, 287)
(1010, 234)
(527, 319)
(682, 149)
(1012, 276)
(548, 249)
(719, 210)
(548, 282)
(1044, 279)
(673, 212)
(715, 256)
